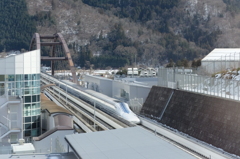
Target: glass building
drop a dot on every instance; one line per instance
(20, 78)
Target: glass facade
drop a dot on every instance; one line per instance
(28, 87)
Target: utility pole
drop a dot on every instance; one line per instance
(135, 60)
(94, 126)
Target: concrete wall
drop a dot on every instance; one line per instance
(53, 142)
(25, 63)
(118, 88)
(132, 91)
(145, 81)
(45, 120)
(213, 120)
(139, 92)
(135, 87)
(99, 84)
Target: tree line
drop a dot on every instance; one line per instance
(17, 26)
(140, 10)
(156, 15)
(117, 50)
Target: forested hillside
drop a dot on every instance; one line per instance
(158, 16)
(187, 29)
(140, 10)
(233, 6)
(110, 33)
(16, 26)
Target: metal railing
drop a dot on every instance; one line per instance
(185, 80)
(219, 61)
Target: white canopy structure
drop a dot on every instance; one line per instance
(127, 143)
(221, 59)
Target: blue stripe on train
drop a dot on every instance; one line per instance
(124, 108)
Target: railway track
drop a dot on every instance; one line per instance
(116, 119)
(114, 108)
(103, 121)
(85, 111)
(85, 114)
(81, 115)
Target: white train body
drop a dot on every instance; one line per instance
(120, 108)
(109, 105)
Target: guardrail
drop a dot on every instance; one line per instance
(220, 87)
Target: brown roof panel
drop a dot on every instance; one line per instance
(51, 107)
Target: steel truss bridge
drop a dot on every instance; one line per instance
(57, 45)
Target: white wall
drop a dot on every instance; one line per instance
(114, 88)
(103, 85)
(25, 63)
(139, 92)
(134, 91)
(117, 88)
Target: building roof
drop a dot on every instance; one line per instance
(127, 143)
(51, 107)
(98, 77)
(68, 155)
(225, 54)
(25, 148)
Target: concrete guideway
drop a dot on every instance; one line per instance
(99, 115)
(78, 101)
(113, 122)
(71, 106)
(185, 141)
(75, 119)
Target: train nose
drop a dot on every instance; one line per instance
(136, 120)
(131, 117)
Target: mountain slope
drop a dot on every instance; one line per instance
(152, 32)
(16, 25)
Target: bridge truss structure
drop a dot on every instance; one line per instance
(57, 45)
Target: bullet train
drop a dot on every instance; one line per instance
(107, 104)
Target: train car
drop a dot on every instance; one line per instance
(103, 102)
(80, 93)
(122, 109)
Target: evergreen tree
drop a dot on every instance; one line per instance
(17, 27)
(171, 63)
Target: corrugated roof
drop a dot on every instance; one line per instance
(51, 107)
(220, 54)
(127, 143)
